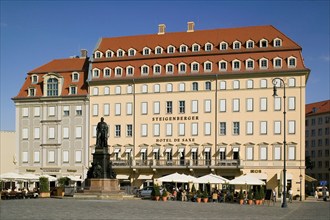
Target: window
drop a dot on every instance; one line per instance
(78, 110)
(263, 104)
(169, 68)
(52, 87)
(131, 52)
(144, 88)
(95, 109)
(292, 103)
(98, 54)
(118, 71)
(250, 44)
(106, 72)
(118, 90)
(263, 152)
(51, 133)
(144, 130)
(236, 130)
(158, 50)
(292, 62)
(36, 111)
(194, 67)
(157, 69)
(145, 70)
(66, 110)
(78, 156)
(277, 103)
(169, 87)
(249, 84)
(291, 152)
(129, 130)
(236, 105)
(194, 129)
(156, 107)
(235, 84)
(292, 127)
(249, 104)
(182, 68)
(34, 79)
(195, 86)
(207, 85)
(129, 107)
(263, 83)
(222, 128)
(207, 66)
(25, 112)
(195, 47)
(25, 157)
(222, 103)
(207, 106)
(65, 132)
(263, 127)
(194, 106)
(236, 45)
(183, 49)
(207, 128)
(169, 107)
(96, 73)
(129, 71)
(277, 63)
(181, 87)
(263, 43)
(182, 107)
(222, 85)
(236, 65)
(170, 49)
(277, 42)
(120, 53)
(109, 54)
(249, 64)
(117, 109)
(208, 47)
(32, 92)
(51, 111)
(292, 82)
(168, 129)
(156, 130)
(144, 108)
(277, 127)
(223, 46)
(36, 157)
(117, 130)
(146, 51)
(249, 127)
(106, 109)
(36, 133)
(222, 66)
(249, 153)
(277, 152)
(51, 156)
(73, 90)
(181, 129)
(156, 88)
(78, 132)
(263, 63)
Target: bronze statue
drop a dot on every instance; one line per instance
(102, 134)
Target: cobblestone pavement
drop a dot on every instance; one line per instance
(147, 209)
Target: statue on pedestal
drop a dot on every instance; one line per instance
(102, 134)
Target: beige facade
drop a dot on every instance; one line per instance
(203, 119)
(8, 153)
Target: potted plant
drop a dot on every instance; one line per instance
(44, 187)
(155, 192)
(257, 197)
(250, 197)
(61, 183)
(241, 197)
(164, 195)
(198, 196)
(205, 196)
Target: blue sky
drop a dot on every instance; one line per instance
(36, 32)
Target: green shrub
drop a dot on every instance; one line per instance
(44, 184)
(240, 195)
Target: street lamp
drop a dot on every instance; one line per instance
(275, 80)
(300, 178)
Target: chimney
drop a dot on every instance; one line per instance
(161, 29)
(83, 53)
(191, 26)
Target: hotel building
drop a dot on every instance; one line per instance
(52, 113)
(317, 140)
(200, 101)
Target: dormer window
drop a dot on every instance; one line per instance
(98, 54)
(129, 71)
(236, 65)
(223, 46)
(195, 47)
(96, 73)
(146, 51)
(109, 53)
(183, 49)
(277, 42)
(158, 50)
(34, 79)
(236, 45)
(75, 77)
(250, 44)
(208, 47)
(120, 53)
(169, 68)
(223, 66)
(131, 52)
(118, 71)
(73, 90)
(194, 67)
(277, 63)
(170, 49)
(263, 43)
(263, 63)
(207, 66)
(32, 92)
(145, 70)
(107, 72)
(182, 68)
(52, 87)
(292, 62)
(249, 63)
(157, 69)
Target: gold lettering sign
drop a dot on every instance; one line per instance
(163, 140)
(255, 171)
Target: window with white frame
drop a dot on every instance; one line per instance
(168, 129)
(79, 110)
(236, 45)
(51, 156)
(156, 88)
(277, 127)
(36, 156)
(183, 49)
(118, 71)
(98, 54)
(157, 69)
(249, 84)
(78, 156)
(117, 130)
(95, 91)
(292, 62)
(182, 107)
(291, 152)
(263, 43)
(51, 133)
(156, 130)
(169, 87)
(25, 112)
(120, 53)
(236, 129)
(131, 52)
(182, 68)
(170, 49)
(263, 104)
(195, 47)
(169, 107)
(277, 103)
(223, 46)
(118, 90)
(66, 110)
(223, 66)
(145, 70)
(194, 67)
(65, 156)
(194, 106)
(263, 152)
(236, 65)
(144, 130)
(129, 71)
(292, 82)
(144, 108)
(156, 107)
(65, 132)
(249, 64)
(37, 111)
(207, 66)
(25, 157)
(181, 129)
(129, 107)
(34, 79)
(277, 42)
(96, 73)
(263, 127)
(117, 109)
(292, 103)
(208, 47)
(236, 84)
(94, 131)
(292, 127)
(195, 86)
(144, 88)
(37, 133)
(106, 90)
(32, 92)
(250, 44)
(107, 72)
(109, 53)
(73, 90)
(263, 83)
(249, 152)
(207, 106)
(181, 87)
(129, 89)
(263, 63)
(75, 77)
(236, 104)
(78, 132)
(95, 109)
(222, 128)
(169, 68)
(208, 85)
(222, 105)
(249, 127)
(207, 128)
(194, 129)
(158, 50)
(249, 104)
(106, 109)
(277, 63)
(222, 85)
(277, 152)
(51, 111)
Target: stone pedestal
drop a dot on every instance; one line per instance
(104, 186)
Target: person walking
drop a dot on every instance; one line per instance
(274, 196)
(315, 195)
(290, 195)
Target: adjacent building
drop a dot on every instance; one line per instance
(200, 101)
(8, 154)
(317, 140)
(52, 113)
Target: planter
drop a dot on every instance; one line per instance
(44, 194)
(250, 201)
(205, 200)
(60, 191)
(164, 198)
(198, 200)
(241, 201)
(157, 198)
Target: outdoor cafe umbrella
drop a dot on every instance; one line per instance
(174, 177)
(11, 177)
(212, 179)
(50, 178)
(246, 179)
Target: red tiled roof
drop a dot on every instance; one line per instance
(63, 67)
(317, 108)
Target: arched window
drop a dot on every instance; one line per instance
(52, 87)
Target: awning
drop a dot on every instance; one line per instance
(122, 176)
(168, 150)
(222, 149)
(156, 150)
(207, 149)
(117, 150)
(260, 176)
(310, 179)
(235, 149)
(194, 149)
(181, 149)
(145, 177)
(288, 176)
(143, 150)
(128, 150)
